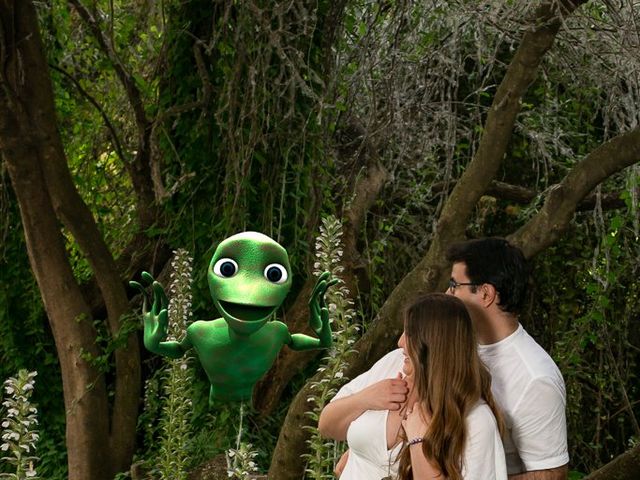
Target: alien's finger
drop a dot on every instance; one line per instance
(314, 307)
(323, 276)
(332, 282)
(164, 301)
(157, 300)
(318, 292)
(322, 290)
(147, 277)
(323, 319)
(315, 322)
(314, 292)
(163, 320)
(143, 291)
(160, 300)
(324, 315)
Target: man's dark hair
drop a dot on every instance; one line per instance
(495, 261)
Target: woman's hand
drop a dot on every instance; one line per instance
(416, 421)
(342, 462)
(415, 425)
(388, 394)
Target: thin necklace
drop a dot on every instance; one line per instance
(400, 413)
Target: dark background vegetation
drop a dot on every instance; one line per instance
(179, 123)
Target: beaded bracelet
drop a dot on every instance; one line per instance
(415, 441)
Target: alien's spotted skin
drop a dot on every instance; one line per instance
(249, 277)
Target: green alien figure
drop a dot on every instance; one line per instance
(249, 276)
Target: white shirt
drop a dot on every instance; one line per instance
(529, 389)
(367, 438)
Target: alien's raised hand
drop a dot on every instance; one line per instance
(318, 311)
(156, 320)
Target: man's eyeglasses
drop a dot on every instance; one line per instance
(453, 284)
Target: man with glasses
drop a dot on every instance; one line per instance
(490, 276)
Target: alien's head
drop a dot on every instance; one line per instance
(249, 277)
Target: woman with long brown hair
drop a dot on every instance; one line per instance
(452, 424)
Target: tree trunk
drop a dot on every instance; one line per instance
(269, 390)
(623, 467)
(31, 147)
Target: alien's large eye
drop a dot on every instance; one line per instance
(225, 267)
(276, 273)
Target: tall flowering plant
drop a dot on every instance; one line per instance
(323, 454)
(19, 436)
(176, 432)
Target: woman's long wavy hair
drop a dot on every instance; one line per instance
(449, 379)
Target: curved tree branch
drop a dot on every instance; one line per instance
(524, 195)
(431, 272)
(117, 144)
(548, 224)
(501, 117)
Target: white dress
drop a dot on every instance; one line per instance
(369, 458)
(367, 434)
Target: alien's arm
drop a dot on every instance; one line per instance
(300, 341)
(156, 321)
(170, 349)
(318, 318)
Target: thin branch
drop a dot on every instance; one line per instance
(207, 89)
(117, 144)
(127, 80)
(524, 195)
(139, 168)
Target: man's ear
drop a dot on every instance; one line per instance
(488, 294)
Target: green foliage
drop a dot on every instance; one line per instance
(249, 160)
(87, 91)
(590, 322)
(19, 436)
(329, 250)
(292, 119)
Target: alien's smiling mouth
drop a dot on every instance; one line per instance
(248, 313)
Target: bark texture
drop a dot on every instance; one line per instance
(623, 467)
(31, 147)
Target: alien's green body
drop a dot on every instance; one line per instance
(239, 362)
(249, 277)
